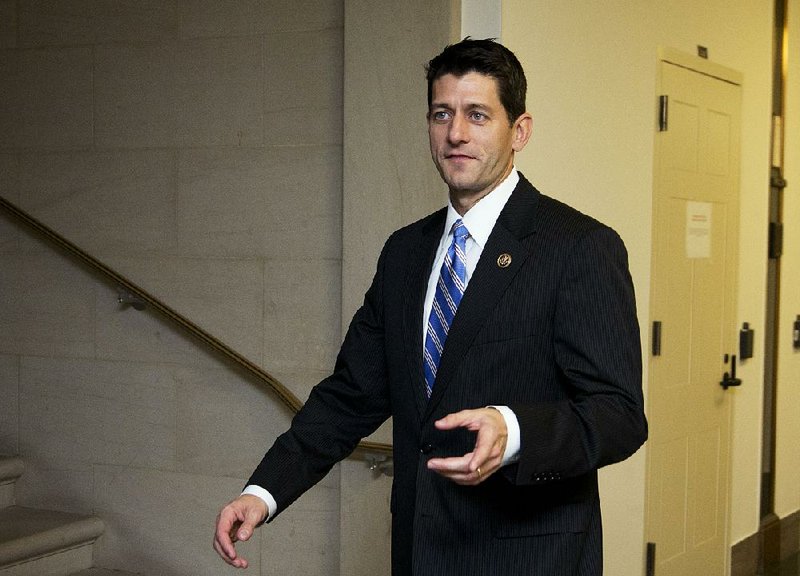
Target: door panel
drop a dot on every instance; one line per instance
(695, 235)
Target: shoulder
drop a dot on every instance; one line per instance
(559, 215)
(550, 218)
(416, 231)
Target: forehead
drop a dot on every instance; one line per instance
(471, 88)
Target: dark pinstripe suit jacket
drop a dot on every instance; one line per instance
(553, 335)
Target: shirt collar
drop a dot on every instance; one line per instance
(481, 218)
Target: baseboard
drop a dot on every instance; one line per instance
(776, 540)
(744, 556)
(790, 535)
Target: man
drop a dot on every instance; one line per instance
(500, 334)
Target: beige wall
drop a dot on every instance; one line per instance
(592, 75)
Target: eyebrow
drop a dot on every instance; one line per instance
(470, 106)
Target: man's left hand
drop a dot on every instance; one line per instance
(485, 459)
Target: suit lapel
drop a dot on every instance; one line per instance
(502, 257)
(420, 261)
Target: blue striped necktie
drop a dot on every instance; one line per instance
(449, 290)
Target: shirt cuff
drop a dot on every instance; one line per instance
(513, 441)
(258, 491)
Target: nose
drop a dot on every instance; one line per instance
(459, 130)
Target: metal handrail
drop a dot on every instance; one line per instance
(374, 452)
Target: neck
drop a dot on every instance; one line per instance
(464, 202)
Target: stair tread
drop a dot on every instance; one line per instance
(11, 468)
(19, 522)
(104, 572)
(28, 532)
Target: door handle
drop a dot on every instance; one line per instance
(730, 379)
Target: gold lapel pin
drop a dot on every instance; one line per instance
(504, 260)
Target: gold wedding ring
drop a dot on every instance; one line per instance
(479, 473)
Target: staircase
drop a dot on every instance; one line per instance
(43, 542)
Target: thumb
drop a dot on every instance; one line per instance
(252, 519)
(245, 531)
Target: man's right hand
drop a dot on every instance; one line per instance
(235, 522)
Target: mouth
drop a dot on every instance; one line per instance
(458, 157)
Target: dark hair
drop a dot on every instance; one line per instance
(484, 57)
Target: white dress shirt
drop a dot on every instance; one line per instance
(480, 221)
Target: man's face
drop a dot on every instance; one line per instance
(472, 142)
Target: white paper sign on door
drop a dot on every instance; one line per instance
(698, 230)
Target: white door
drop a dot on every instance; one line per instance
(695, 252)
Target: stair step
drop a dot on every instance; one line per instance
(11, 468)
(45, 543)
(103, 572)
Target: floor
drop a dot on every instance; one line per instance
(789, 567)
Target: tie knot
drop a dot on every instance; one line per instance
(460, 232)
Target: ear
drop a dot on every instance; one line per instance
(523, 128)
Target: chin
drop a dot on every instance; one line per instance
(459, 181)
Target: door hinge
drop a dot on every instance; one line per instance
(663, 112)
(776, 179)
(775, 240)
(650, 566)
(656, 343)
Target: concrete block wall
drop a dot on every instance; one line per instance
(200, 156)
(195, 146)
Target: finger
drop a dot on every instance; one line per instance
(223, 542)
(235, 561)
(462, 419)
(228, 554)
(465, 478)
(232, 560)
(457, 469)
(489, 447)
(454, 464)
(229, 531)
(490, 443)
(218, 549)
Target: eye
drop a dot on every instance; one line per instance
(440, 116)
(479, 117)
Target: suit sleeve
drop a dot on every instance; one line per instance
(597, 350)
(340, 411)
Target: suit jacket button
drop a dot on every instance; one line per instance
(426, 448)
